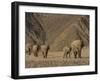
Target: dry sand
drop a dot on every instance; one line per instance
(56, 59)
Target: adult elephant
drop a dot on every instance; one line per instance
(28, 48)
(44, 50)
(76, 47)
(35, 50)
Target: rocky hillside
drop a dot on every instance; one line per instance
(35, 34)
(58, 30)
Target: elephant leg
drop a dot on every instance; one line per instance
(75, 54)
(46, 54)
(64, 55)
(79, 55)
(29, 50)
(36, 54)
(69, 55)
(43, 54)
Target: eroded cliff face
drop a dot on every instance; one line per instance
(82, 27)
(35, 33)
(58, 30)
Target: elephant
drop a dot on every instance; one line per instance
(76, 47)
(44, 50)
(35, 50)
(28, 48)
(67, 51)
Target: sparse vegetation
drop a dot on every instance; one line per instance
(55, 59)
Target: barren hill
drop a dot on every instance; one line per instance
(58, 30)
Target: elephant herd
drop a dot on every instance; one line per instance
(75, 48)
(36, 48)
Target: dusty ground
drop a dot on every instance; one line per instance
(55, 59)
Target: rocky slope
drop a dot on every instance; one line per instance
(58, 30)
(35, 34)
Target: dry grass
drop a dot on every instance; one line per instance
(54, 59)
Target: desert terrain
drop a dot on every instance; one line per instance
(57, 30)
(55, 59)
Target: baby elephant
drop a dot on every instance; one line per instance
(44, 50)
(67, 51)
